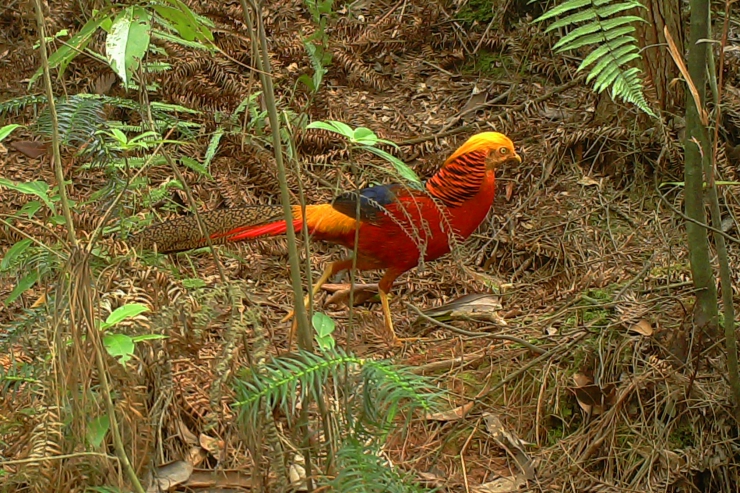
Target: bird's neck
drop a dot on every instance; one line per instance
(460, 180)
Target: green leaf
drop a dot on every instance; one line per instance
(308, 81)
(195, 166)
(7, 130)
(128, 41)
(76, 44)
(365, 136)
(13, 253)
(30, 208)
(97, 429)
(37, 188)
(401, 167)
(24, 284)
(196, 23)
(335, 127)
(181, 22)
(119, 346)
(191, 283)
(213, 146)
(148, 337)
(122, 313)
(323, 324)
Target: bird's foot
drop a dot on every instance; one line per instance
(400, 341)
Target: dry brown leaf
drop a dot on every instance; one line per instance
(587, 181)
(582, 379)
(30, 148)
(513, 445)
(340, 293)
(643, 327)
(451, 415)
(170, 475)
(196, 455)
(500, 485)
(478, 306)
(212, 445)
(297, 473)
(592, 398)
(39, 301)
(103, 83)
(185, 433)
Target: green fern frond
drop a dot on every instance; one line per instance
(16, 105)
(79, 119)
(605, 25)
(384, 388)
(362, 470)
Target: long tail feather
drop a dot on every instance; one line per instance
(223, 226)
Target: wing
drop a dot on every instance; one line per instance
(374, 201)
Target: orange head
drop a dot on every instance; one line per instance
(497, 147)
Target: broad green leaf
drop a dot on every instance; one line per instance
(128, 41)
(344, 130)
(97, 429)
(24, 284)
(7, 130)
(323, 324)
(402, 168)
(76, 44)
(122, 313)
(365, 136)
(326, 343)
(197, 23)
(30, 208)
(181, 22)
(13, 253)
(58, 220)
(37, 188)
(308, 81)
(119, 346)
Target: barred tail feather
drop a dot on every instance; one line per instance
(223, 225)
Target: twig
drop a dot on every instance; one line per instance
(55, 140)
(476, 335)
(632, 281)
(692, 220)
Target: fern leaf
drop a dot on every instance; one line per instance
(603, 50)
(607, 26)
(567, 7)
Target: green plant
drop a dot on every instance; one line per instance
(368, 396)
(364, 139)
(603, 24)
(121, 346)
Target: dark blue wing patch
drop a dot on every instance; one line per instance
(373, 202)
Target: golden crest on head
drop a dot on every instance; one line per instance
(487, 141)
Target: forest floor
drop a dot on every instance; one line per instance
(583, 371)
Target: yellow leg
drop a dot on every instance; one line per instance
(390, 332)
(328, 272)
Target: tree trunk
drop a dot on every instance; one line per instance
(657, 64)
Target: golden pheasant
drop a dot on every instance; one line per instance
(396, 226)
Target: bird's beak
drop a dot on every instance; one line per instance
(516, 157)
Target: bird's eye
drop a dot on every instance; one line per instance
(503, 150)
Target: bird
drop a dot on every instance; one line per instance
(391, 227)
